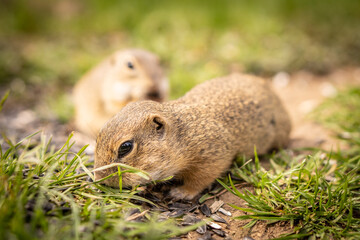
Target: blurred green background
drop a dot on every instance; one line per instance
(45, 46)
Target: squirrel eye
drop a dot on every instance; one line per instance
(130, 65)
(125, 148)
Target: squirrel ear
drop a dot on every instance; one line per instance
(159, 123)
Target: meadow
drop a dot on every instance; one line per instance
(47, 190)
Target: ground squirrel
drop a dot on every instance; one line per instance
(123, 77)
(196, 137)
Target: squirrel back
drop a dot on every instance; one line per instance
(196, 137)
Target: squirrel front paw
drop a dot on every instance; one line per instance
(180, 193)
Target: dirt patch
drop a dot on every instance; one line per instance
(234, 228)
(301, 93)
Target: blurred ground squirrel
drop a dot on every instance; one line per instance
(196, 137)
(124, 77)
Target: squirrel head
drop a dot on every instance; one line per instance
(141, 135)
(133, 75)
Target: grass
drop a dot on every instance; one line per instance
(319, 193)
(341, 114)
(49, 193)
(44, 195)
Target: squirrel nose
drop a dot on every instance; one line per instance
(153, 95)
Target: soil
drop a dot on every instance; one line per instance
(301, 92)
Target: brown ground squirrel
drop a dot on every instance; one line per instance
(196, 137)
(123, 77)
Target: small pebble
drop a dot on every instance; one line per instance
(247, 238)
(225, 212)
(177, 213)
(307, 106)
(213, 225)
(190, 220)
(206, 236)
(281, 80)
(218, 218)
(205, 210)
(345, 135)
(219, 232)
(201, 229)
(328, 90)
(216, 205)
